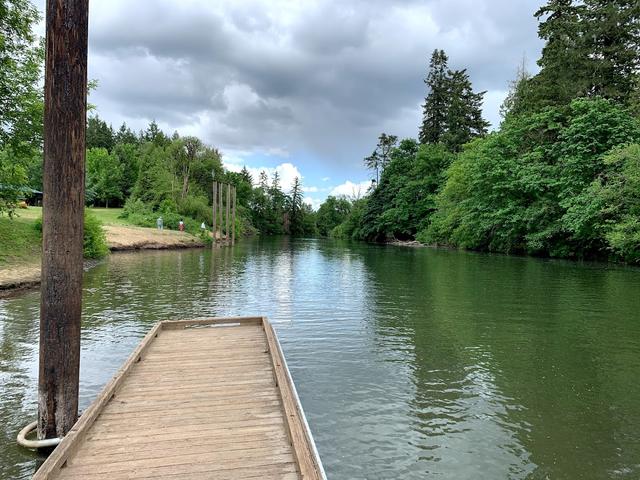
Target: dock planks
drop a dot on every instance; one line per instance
(197, 399)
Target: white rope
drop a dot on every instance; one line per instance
(22, 438)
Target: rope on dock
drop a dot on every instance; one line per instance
(23, 442)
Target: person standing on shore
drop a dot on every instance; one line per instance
(160, 224)
(181, 226)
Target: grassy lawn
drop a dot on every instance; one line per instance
(20, 241)
(108, 216)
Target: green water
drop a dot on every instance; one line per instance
(410, 363)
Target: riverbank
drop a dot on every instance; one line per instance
(20, 259)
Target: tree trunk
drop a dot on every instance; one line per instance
(65, 94)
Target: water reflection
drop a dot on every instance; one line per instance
(410, 362)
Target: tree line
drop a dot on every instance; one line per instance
(152, 174)
(560, 177)
(149, 173)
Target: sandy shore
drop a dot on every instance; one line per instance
(17, 277)
(138, 238)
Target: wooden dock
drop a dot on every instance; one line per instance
(201, 399)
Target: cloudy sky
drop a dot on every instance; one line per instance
(303, 87)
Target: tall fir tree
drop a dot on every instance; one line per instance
(463, 121)
(452, 111)
(563, 64)
(592, 49)
(125, 135)
(295, 211)
(437, 100)
(99, 134)
(612, 38)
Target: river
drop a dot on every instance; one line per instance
(411, 363)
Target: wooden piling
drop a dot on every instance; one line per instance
(233, 218)
(227, 213)
(65, 97)
(220, 208)
(215, 214)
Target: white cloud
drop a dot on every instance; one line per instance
(314, 202)
(351, 189)
(287, 172)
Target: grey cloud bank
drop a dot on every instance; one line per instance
(317, 79)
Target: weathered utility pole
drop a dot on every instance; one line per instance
(65, 116)
(215, 214)
(233, 218)
(227, 216)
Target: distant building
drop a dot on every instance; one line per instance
(28, 194)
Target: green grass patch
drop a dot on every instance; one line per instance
(106, 216)
(21, 237)
(109, 216)
(19, 241)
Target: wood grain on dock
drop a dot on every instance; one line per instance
(201, 399)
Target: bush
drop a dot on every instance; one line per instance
(94, 243)
(95, 240)
(196, 208)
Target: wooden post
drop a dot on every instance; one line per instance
(220, 208)
(227, 215)
(215, 214)
(65, 116)
(233, 218)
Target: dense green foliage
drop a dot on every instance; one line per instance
(94, 243)
(528, 188)
(560, 177)
(21, 106)
(331, 214)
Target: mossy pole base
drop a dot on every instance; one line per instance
(65, 94)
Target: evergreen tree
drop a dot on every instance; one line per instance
(99, 134)
(295, 211)
(155, 135)
(125, 135)
(246, 176)
(592, 49)
(264, 180)
(612, 38)
(437, 101)
(463, 120)
(563, 65)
